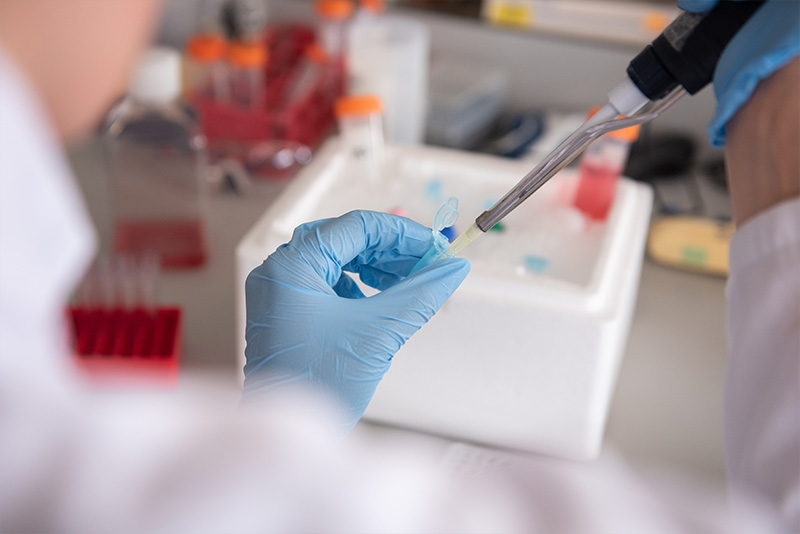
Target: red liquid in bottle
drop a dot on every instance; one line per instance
(596, 187)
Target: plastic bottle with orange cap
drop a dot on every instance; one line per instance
(361, 133)
(600, 167)
(247, 62)
(332, 34)
(206, 71)
(306, 77)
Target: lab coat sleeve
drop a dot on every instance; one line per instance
(763, 382)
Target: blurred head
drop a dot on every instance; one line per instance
(76, 53)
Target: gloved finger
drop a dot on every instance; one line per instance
(305, 228)
(366, 235)
(386, 274)
(299, 232)
(347, 288)
(697, 6)
(377, 278)
(383, 270)
(403, 308)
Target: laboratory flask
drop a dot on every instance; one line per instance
(155, 153)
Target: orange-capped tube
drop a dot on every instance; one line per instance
(600, 167)
(308, 75)
(247, 54)
(373, 6)
(317, 54)
(361, 133)
(334, 9)
(350, 106)
(206, 73)
(247, 62)
(629, 134)
(331, 30)
(206, 48)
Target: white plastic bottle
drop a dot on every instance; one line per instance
(155, 153)
(388, 55)
(361, 134)
(367, 49)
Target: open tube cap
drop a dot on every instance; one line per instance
(446, 215)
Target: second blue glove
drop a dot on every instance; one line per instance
(767, 42)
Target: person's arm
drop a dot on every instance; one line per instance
(763, 385)
(757, 85)
(762, 153)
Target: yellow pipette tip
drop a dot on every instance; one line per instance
(460, 243)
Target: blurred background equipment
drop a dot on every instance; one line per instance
(361, 134)
(388, 56)
(466, 99)
(156, 160)
(283, 79)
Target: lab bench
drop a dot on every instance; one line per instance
(666, 412)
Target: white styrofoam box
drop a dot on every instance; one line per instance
(514, 359)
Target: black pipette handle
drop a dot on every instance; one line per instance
(687, 51)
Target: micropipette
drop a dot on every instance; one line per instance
(679, 61)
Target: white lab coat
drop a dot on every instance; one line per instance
(76, 460)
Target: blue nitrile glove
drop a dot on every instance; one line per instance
(767, 42)
(307, 321)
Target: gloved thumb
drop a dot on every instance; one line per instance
(409, 304)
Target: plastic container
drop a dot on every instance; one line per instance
(247, 62)
(332, 34)
(516, 358)
(444, 219)
(361, 130)
(262, 138)
(309, 74)
(389, 56)
(600, 168)
(367, 49)
(206, 69)
(156, 162)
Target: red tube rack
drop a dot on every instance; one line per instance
(127, 345)
(307, 121)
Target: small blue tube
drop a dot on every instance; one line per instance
(429, 257)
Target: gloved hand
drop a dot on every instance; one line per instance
(307, 321)
(767, 42)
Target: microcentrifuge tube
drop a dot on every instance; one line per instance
(446, 216)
